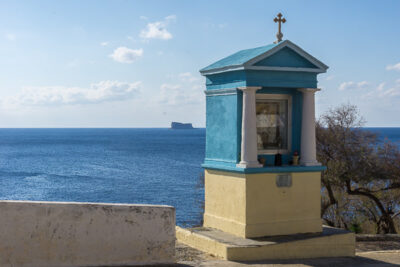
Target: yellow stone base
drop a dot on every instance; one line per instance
(253, 205)
(332, 242)
(267, 228)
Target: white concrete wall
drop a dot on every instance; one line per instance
(85, 234)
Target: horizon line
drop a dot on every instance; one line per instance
(121, 127)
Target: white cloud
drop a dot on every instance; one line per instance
(170, 94)
(104, 91)
(392, 92)
(352, 85)
(382, 93)
(187, 77)
(362, 84)
(380, 87)
(179, 95)
(143, 17)
(393, 67)
(10, 37)
(330, 77)
(158, 29)
(104, 43)
(188, 91)
(170, 17)
(130, 38)
(345, 85)
(126, 55)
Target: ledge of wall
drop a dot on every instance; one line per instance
(268, 169)
(85, 234)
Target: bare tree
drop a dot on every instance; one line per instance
(359, 165)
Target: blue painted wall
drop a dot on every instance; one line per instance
(222, 145)
(224, 126)
(224, 112)
(286, 57)
(282, 79)
(226, 80)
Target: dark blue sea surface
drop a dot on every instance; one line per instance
(153, 166)
(391, 134)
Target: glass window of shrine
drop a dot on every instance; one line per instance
(273, 123)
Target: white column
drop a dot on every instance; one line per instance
(249, 129)
(308, 150)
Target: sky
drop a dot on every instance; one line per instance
(136, 63)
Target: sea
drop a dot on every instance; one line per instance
(152, 166)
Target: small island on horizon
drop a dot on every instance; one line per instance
(180, 126)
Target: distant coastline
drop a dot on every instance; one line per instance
(180, 126)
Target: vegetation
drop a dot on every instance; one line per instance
(361, 186)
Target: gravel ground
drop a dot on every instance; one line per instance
(377, 246)
(368, 253)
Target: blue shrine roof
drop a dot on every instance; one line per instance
(282, 56)
(239, 58)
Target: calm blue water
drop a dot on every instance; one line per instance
(390, 133)
(155, 166)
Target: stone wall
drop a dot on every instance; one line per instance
(85, 234)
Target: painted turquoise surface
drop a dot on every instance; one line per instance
(224, 127)
(226, 80)
(281, 169)
(222, 145)
(283, 79)
(286, 57)
(240, 57)
(224, 112)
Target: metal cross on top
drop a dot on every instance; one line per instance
(280, 20)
